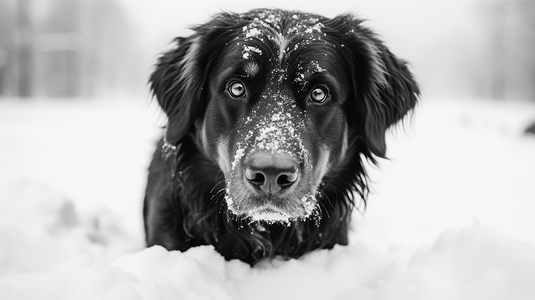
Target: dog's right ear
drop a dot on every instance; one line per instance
(384, 88)
(178, 84)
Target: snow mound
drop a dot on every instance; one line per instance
(41, 227)
(475, 262)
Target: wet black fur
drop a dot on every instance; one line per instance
(189, 209)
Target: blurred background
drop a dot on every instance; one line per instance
(78, 127)
(93, 48)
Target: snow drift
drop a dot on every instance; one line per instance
(475, 262)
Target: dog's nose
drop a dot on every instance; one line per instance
(271, 173)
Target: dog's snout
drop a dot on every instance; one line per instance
(271, 173)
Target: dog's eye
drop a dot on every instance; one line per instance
(236, 89)
(319, 95)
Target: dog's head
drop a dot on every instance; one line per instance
(281, 100)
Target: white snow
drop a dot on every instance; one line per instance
(450, 215)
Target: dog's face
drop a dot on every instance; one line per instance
(275, 98)
(275, 122)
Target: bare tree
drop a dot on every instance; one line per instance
(510, 32)
(498, 49)
(24, 48)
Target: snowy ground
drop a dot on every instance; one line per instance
(450, 217)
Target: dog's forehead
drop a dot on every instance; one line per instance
(282, 22)
(287, 31)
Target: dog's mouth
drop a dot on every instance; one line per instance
(269, 214)
(274, 210)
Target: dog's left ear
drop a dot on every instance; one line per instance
(385, 89)
(390, 102)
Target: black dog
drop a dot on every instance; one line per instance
(270, 114)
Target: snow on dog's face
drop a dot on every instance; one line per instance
(280, 100)
(275, 121)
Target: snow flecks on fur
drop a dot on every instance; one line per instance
(247, 50)
(268, 25)
(251, 32)
(271, 217)
(277, 132)
(305, 72)
(309, 26)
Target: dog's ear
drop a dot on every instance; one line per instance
(390, 101)
(385, 89)
(178, 84)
